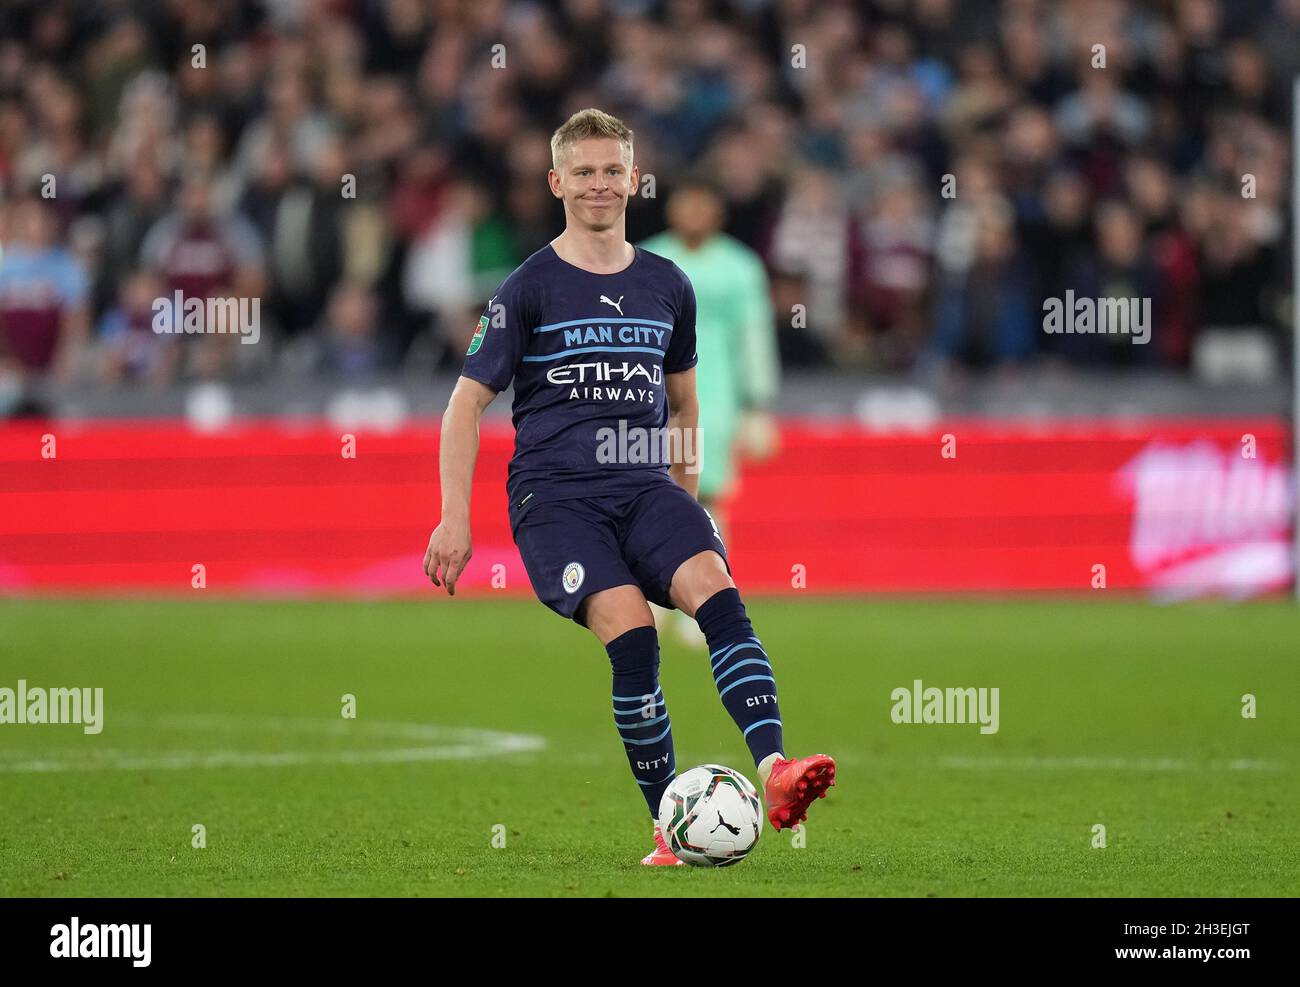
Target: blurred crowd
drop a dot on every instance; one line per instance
(917, 175)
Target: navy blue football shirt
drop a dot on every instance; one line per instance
(587, 353)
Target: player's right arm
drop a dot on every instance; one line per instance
(450, 545)
(493, 357)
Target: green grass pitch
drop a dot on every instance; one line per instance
(226, 714)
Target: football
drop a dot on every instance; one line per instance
(710, 816)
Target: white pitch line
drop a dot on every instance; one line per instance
(1086, 763)
(992, 762)
(441, 743)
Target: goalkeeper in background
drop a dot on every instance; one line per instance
(739, 370)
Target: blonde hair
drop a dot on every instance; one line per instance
(584, 125)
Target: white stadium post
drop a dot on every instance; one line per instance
(1295, 324)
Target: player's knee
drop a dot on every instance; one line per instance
(611, 629)
(709, 589)
(613, 612)
(699, 578)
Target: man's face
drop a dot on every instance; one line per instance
(33, 226)
(595, 180)
(695, 214)
(196, 202)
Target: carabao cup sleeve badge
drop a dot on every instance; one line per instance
(479, 332)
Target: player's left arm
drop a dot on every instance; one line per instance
(683, 430)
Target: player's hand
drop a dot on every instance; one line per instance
(757, 436)
(448, 553)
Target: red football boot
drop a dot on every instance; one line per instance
(661, 856)
(793, 785)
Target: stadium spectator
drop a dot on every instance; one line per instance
(810, 246)
(140, 201)
(44, 297)
(131, 348)
(350, 342)
(201, 253)
(302, 223)
(984, 313)
(892, 252)
(1120, 268)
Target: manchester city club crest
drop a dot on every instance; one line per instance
(573, 576)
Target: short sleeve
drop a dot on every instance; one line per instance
(497, 343)
(681, 348)
(244, 242)
(73, 285)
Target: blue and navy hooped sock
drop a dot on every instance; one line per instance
(741, 671)
(640, 713)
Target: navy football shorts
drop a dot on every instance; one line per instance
(573, 548)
